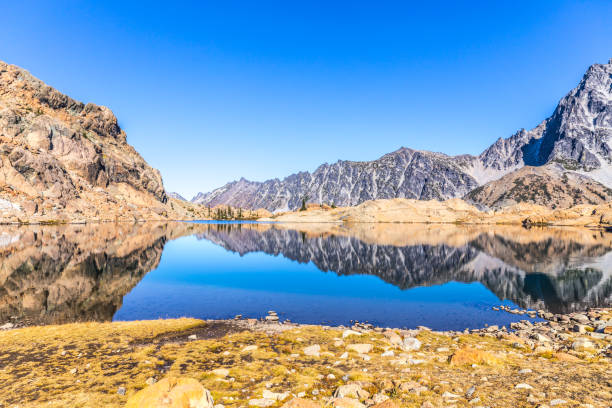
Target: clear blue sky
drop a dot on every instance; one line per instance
(211, 91)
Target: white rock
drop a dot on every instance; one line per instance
(351, 390)
(388, 353)
(278, 396)
(393, 337)
(541, 338)
(192, 337)
(249, 348)
(378, 398)
(410, 344)
(583, 344)
(221, 372)
(312, 351)
(523, 386)
(262, 402)
(449, 395)
(360, 348)
(557, 401)
(349, 332)
(344, 355)
(525, 371)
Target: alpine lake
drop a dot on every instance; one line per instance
(445, 277)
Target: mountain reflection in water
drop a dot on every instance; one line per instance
(59, 274)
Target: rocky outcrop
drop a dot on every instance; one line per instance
(63, 159)
(578, 132)
(550, 185)
(575, 136)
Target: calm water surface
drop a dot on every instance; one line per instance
(444, 277)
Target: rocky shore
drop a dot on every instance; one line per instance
(545, 360)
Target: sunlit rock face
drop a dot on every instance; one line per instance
(65, 159)
(576, 136)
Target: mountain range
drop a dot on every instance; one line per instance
(572, 144)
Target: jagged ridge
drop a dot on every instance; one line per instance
(576, 136)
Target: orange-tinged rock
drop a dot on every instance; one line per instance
(561, 356)
(172, 392)
(346, 403)
(469, 356)
(301, 403)
(386, 404)
(608, 330)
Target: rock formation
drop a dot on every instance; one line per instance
(61, 159)
(575, 136)
(549, 185)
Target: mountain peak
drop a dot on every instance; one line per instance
(576, 137)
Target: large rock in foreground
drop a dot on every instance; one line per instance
(172, 393)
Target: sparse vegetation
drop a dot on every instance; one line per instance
(83, 365)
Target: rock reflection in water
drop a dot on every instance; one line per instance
(59, 274)
(70, 273)
(558, 270)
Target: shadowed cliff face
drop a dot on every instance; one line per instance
(532, 270)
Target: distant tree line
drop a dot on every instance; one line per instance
(229, 213)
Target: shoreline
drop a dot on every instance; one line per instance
(384, 211)
(272, 318)
(604, 227)
(266, 363)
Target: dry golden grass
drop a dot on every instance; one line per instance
(36, 364)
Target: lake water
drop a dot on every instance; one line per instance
(397, 275)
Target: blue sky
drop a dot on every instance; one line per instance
(211, 91)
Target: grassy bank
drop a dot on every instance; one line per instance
(90, 364)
